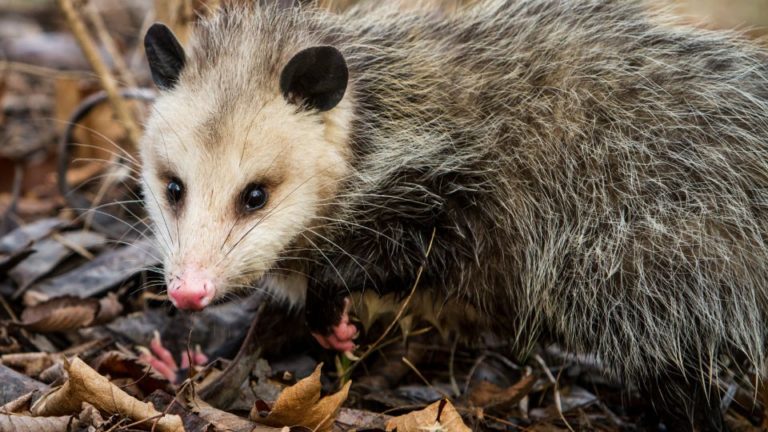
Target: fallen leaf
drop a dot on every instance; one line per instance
(488, 395)
(50, 252)
(18, 423)
(109, 309)
(221, 420)
(19, 405)
(97, 276)
(30, 364)
(301, 405)
(170, 405)
(441, 416)
(15, 385)
(60, 314)
(23, 236)
(361, 419)
(117, 364)
(91, 416)
(87, 385)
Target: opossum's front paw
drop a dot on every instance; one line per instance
(342, 335)
(161, 360)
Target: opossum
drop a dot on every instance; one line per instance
(581, 172)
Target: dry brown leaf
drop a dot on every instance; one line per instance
(16, 423)
(301, 405)
(221, 420)
(30, 364)
(109, 309)
(86, 385)
(440, 416)
(488, 395)
(91, 416)
(119, 365)
(60, 314)
(20, 405)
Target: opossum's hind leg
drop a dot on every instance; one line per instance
(328, 320)
(685, 404)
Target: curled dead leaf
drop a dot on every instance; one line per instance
(117, 365)
(301, 405)
(60, 314)
(221, 420)
(18, 423)
(109, 309)
(87, 385)
(488, 395)
(30, 364)
(440, 416)
(18, 405)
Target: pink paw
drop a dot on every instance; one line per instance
(161, 360)
(343, 335)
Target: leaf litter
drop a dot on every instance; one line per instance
(80, 304)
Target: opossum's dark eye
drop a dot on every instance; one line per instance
(254, 198)
(174, 191)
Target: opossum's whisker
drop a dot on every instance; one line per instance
(149, 189)
(128, 165)
(125, 153)
(90, 181)
(358, 225)
(352, 257)
(131, 244)
(110, 215)
(132, 226)
(181, 142)
(333, 266)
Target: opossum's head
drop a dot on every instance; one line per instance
(240, 157)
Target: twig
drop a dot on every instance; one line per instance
(418, 373)
(554, 381)
(239, 368)
(105, 76)
(399, 312)
(109, 44)
(454, 385)
(83, 252)
(18, 180)
(42, 71)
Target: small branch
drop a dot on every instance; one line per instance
(109, 43)
(399, 314)
(105, 76)
(42, 71)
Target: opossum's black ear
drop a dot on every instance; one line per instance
(165, 54)
(315, 77)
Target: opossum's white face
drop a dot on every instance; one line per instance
(229, 192)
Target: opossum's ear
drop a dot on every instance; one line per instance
(315, 77)
(165, 54)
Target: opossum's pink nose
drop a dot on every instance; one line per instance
(193, 289)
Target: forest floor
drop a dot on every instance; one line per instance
(82, 314)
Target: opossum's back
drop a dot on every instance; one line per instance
(635, 157)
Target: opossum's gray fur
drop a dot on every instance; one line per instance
(590, 174)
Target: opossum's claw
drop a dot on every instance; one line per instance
(342, 335)
(161, 360)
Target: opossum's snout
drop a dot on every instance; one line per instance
(193, 289)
